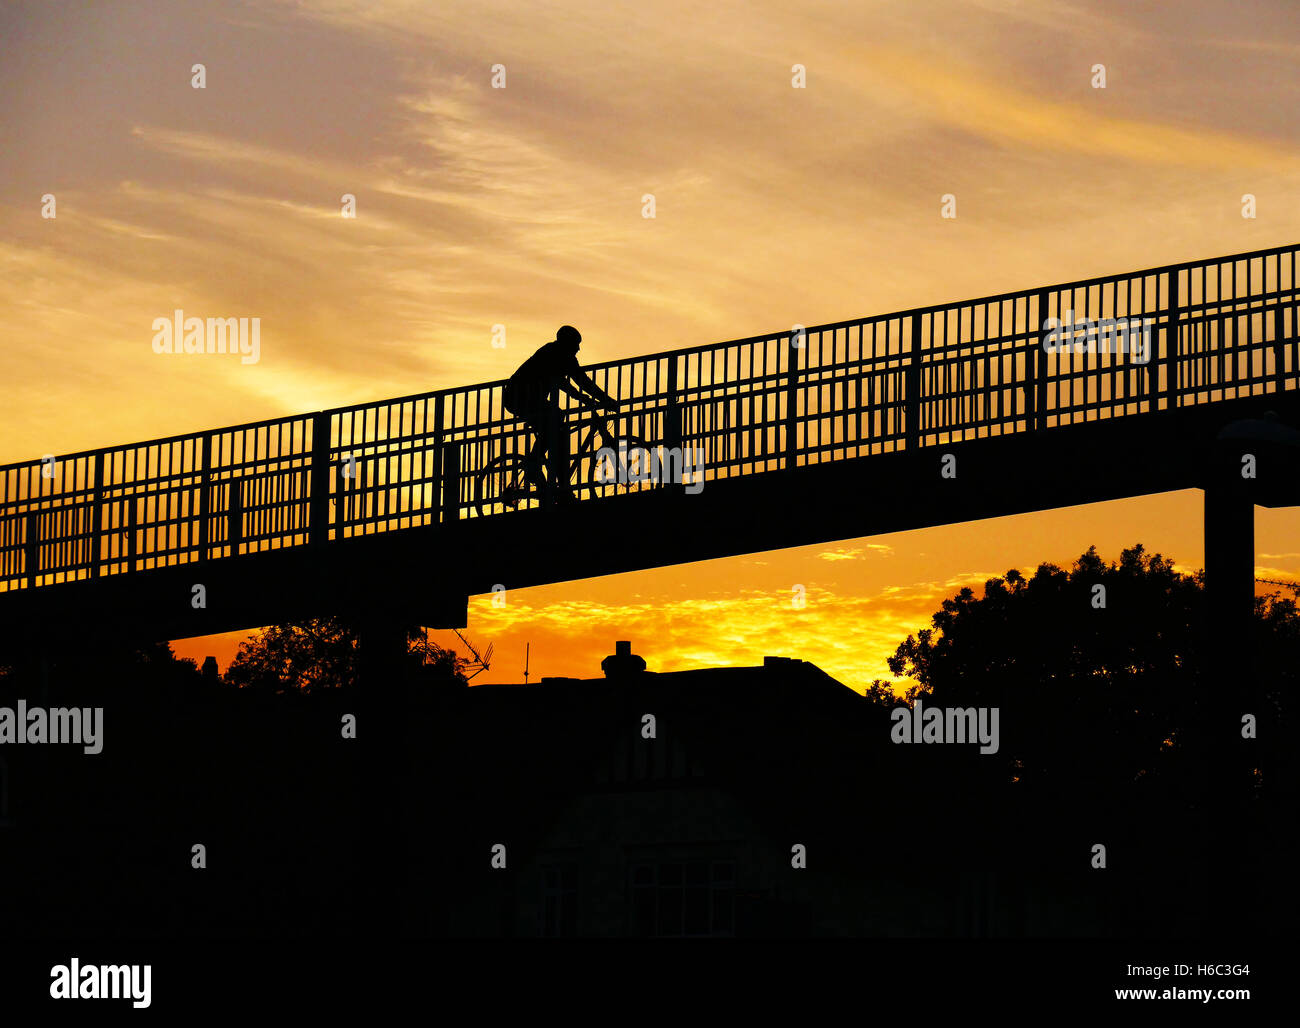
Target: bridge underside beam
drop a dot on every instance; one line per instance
(856, 498)
(411, 580)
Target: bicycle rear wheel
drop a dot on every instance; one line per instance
(502, 482)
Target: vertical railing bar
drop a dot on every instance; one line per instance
(32, 547)
(205, 480)
(912, 385)
(1172, 363)
(1279, 334)
(319, 479)
(97, 498)
(439, 410)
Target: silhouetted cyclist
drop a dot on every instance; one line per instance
(532, 395)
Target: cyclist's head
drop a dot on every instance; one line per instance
(569, 336)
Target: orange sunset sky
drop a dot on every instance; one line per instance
(522, 206)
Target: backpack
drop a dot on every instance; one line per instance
(510, 395)
(528, 387)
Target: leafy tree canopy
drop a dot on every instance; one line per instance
(323, 653)
(1094, 686)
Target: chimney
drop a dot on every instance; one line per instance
(210, 669)
(622, 663)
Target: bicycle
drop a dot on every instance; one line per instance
(505, 481)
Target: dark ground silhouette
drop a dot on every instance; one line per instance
(607, 833)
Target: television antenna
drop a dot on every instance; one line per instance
(481, 661)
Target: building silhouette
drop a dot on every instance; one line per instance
(693, 832)
(744, 802)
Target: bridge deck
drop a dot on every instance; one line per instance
(800, 436)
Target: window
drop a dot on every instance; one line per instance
(649, 761)
(683, 898)
(560, 900)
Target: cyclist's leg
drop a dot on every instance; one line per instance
(557, 461)
(533, 464)
(544, 421)
(534, 459)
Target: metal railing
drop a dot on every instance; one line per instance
(1219, 329)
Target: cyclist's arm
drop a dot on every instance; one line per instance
(576, 393)
(585, 383)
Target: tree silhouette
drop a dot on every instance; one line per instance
(137, 665)
(323, 653)
(1096, 688)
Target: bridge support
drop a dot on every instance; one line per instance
(383, 737)
(1229, 595)
(1229, 574)
(1253, 461)
(1229, 632)
(1229, 676)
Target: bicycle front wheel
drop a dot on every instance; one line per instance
(630, 466)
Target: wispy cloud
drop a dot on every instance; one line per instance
(855, 552)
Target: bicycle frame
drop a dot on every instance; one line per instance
(596, 426)
(507, 475)
(593, 425)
